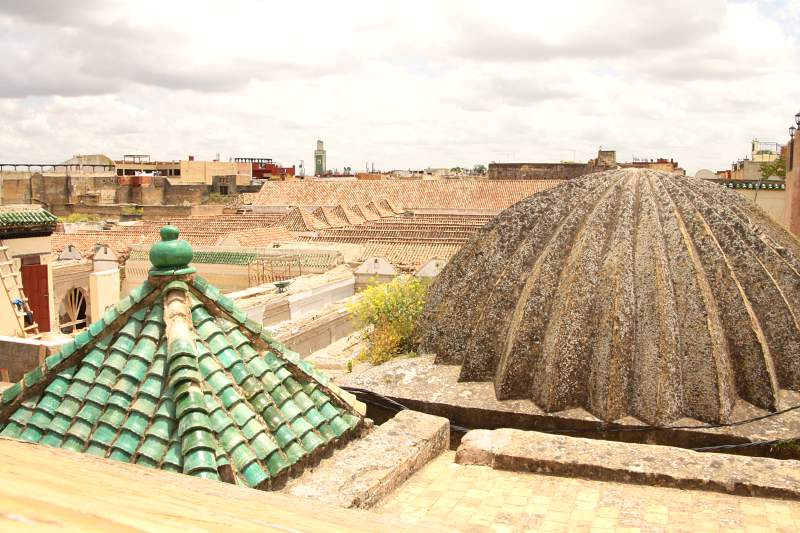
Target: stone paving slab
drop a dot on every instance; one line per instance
(373, 466)
(473, 498)
(46, 489)
(531, 451)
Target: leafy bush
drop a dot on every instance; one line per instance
(80, 217)
(217, 199)
(388, 312)
(132, 210)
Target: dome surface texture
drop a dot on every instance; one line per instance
(627, 293)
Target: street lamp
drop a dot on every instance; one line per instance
(797, 119)
(792, 129)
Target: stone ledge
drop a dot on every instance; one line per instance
(371, 467)
(530, 451)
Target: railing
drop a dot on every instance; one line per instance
(45, 167)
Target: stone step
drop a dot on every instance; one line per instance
(646, 464)
(371, 467)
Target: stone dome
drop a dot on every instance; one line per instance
(627, 293)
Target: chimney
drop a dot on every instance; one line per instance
(191, 158)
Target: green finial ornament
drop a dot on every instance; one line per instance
(171, 256)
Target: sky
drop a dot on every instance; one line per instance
(402, 85)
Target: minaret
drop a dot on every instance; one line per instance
(319, 159)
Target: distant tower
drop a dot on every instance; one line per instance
(319, 159)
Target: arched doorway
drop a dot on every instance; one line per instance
(72, 311)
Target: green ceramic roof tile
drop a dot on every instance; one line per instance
(26, 216)
(194, 400)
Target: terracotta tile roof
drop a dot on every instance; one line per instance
(492, 195)
(409, 241)
(391, 206)
(256, 237)
(330, 216)
(408, 256)
(298, 219)
(349, 215)
(381, 209)
(363, 212)
(120, 241)
(220, 224)
(256, 229)
(176, 377)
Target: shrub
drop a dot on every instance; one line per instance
(388, 312)
(217, 199)
(80, 217)
(132, 210)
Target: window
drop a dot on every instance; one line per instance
(72, 311)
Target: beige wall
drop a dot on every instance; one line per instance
(793, 187)
(9, 326)
(103, 292)
(771, 201)
(204, 171)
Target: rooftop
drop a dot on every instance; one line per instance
(21, 218)
(175, 377)
(449, 194)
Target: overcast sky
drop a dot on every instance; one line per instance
(413, 85)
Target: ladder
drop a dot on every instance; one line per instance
(12, 283)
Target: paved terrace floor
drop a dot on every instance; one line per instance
(47, 489)
(478, 498)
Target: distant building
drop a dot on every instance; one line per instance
(605, 160)
(266, 168)
(662, 164)
(749, 168)
(188, 170)
(320, 160)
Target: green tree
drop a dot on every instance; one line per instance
(479, 169)
(774, 168)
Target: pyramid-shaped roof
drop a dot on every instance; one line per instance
(330, 217)
(352, 218)
(298, 219)
(378, 210)
(391, 206)
(176, 377)
(365, 212)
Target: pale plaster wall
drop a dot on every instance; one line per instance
(9, 325)
(204, 171)
(773, 202)
(103, 292)
(307, 302)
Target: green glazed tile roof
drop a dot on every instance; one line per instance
(176, 377)
(25, 216)
(778, 186)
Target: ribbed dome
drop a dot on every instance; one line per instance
(628, 293)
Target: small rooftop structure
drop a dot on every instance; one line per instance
(376, 266)
(176, 377)
(25, 220)
(432, 268)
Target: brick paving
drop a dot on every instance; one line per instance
(478, 498)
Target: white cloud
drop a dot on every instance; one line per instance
(429, 83)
